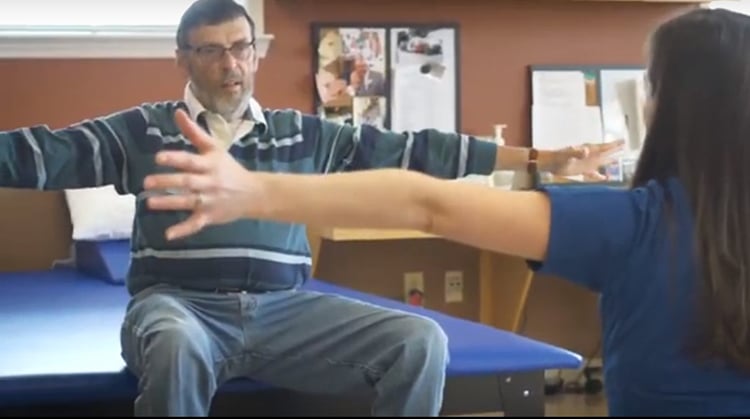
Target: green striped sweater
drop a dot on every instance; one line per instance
(119, 149)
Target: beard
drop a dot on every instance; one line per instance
(228, 104)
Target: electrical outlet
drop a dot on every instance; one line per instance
(454, 286)
(414, 288)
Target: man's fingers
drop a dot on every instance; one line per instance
(178, 181)
(182, 160)
(577, 152)
(610, 154)
(192, 225)
(617, 143)
(173, 202)
(200, 139)
(611, 147)
(583, 151)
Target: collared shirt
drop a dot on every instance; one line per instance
(225, 131)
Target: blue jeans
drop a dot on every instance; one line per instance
(184, 344)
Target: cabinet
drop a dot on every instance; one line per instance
(504, 281)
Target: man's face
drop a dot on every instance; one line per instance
(221, 64)
(360, 65)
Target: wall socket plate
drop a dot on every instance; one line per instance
(454, 286)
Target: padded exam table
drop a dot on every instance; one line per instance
(60, 355)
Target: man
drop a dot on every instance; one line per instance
(365, 81)
(224, 303)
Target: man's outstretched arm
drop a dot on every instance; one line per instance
(86, 154)
(443, 154)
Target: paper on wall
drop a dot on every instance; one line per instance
(558, 88)
(556, 127)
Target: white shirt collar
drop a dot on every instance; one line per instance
(254, 111)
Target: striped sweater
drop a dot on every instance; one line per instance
(253, 255)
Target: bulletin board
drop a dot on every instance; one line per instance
(567, 92)
(401, 77)
(575, 104)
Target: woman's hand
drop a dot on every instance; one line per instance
(217, 188)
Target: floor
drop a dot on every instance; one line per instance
(576, 405)
(568, 405)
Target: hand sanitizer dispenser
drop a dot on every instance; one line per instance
(499, 139)
(501, 178)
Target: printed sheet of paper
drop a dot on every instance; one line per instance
(558, 88)
(421, 101)
(556, 127)
(423, 77)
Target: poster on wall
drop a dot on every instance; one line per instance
(394, 77)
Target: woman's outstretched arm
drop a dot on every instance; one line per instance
(220, 190)
(512, 222)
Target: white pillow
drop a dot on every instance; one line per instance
(100, 213)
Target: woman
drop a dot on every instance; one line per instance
(670, 256)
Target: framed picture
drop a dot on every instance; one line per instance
(400, 77)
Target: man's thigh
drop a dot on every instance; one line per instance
(164, 322)
(322, 342)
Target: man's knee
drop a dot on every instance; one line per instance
(424, 339)
(428, 331)
(160, 332)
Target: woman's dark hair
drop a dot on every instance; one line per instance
(209, 12)
(699, 133)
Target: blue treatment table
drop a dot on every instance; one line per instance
(60, 354)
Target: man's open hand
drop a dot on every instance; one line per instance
(586, 159)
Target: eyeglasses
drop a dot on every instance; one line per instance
(212, 52)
